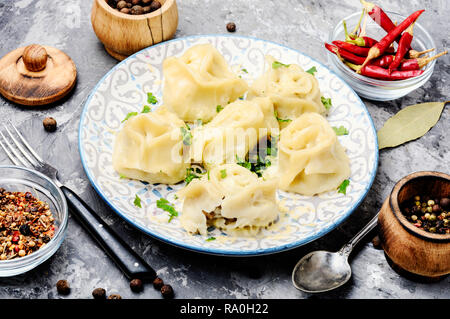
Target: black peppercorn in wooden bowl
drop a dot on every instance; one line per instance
(124, 34)
(406, 244)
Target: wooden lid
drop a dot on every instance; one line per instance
(36, 75)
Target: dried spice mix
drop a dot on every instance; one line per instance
(26, 224)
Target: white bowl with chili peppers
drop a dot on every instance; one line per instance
(33, 219)
(382, 55)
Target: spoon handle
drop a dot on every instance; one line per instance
(347, 248)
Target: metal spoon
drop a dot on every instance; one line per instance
(321, 271)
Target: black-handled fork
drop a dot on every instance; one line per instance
(132, 265)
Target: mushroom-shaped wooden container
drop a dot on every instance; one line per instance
(410, 248)
(124, 34)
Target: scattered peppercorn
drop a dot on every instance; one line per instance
(135, 7)
(167, 291)
(62, 286)
(136, 285)
(99, 293)
(231, 27)
(115, 296)
(49, 124)
(428, 213)
(158, 283)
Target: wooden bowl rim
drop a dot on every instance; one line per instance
(166, 6)
(393, 201)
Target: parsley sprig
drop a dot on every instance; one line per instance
(165, 205)
(326, 102)
(341, 130)
(277, 64)
(343, 187)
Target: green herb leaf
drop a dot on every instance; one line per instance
(190, 175)
(165, 205)
(122, 176)
(146, 109)
(340, 130)
(326, 102)
(312, 70)
(137, 201)
(277, 64)
(244, 70)
(219, 108)
(223, 173)
(409, 124)
(187, 136)
(129, 115)
(151, 99)
(211, 239)
(343, 187)
(281, 120)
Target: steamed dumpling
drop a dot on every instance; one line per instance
(292, 90)
(230, 197)
(234, 131)
(198, 81)
(149, 148)
(311, 159)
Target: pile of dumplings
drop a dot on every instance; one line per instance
(199, 87)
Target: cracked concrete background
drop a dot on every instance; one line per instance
(302, 25)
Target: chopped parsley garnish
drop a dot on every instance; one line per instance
(129, 115)
(146, 109)
(211, 239)
(277, 64)
(340, 130)
(312, 70)
(281, 120)
(151, 99)
(137, 201)
(259, 163)
(165, 205)
(343, 187)
(244, 70)
(326, 102)
(122, 176)
(191, 174)
(223, 173)
(187, 136)
(219, 108)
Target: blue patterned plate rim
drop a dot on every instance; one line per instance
(224, 252)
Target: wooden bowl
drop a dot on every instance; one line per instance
(124, 34)
(410, 248)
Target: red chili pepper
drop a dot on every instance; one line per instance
(344, 54)
(377, 72)
(379, 48)
(383, 61)
(413, 54)
(361, 51)
(418, 63)
(403, 46)
(379, 16)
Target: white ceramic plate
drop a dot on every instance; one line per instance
(123, 90)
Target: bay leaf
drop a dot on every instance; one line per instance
(409, 124)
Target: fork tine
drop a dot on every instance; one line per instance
(21, 149)
(18, 156)
(12, 158)
(28, 146)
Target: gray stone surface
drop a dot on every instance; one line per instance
(302, 25)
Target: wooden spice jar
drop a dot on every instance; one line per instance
(410, 248)
(123, 34)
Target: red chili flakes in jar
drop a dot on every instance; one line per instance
(26, 224)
